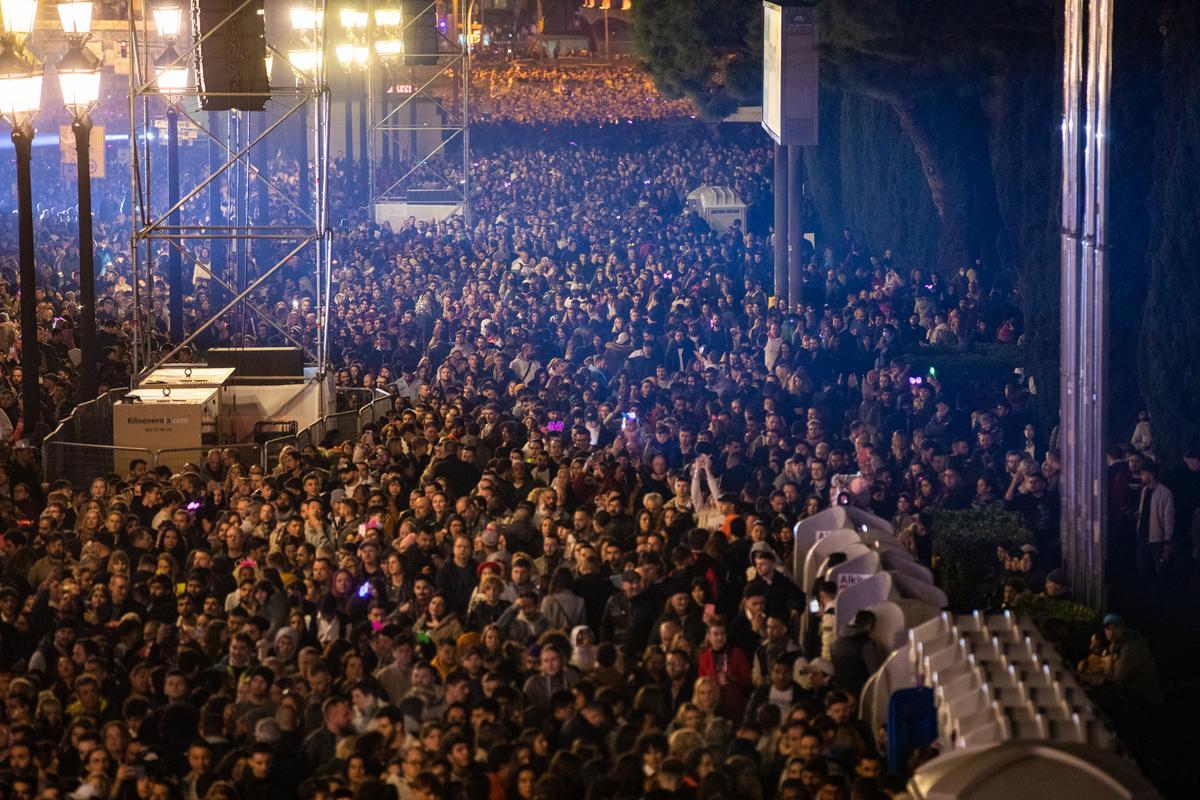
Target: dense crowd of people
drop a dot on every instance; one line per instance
(561, 566)
(535, 93)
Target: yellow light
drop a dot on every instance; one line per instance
(387, 17)
(353, 19)
(18, 16)
(79, 79)
(168, 18)
(75, 16)
(20, 88)
(389, 47)
(306, 18)
(304, 61)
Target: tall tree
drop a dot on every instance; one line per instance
(709, 51)
(1170, 339)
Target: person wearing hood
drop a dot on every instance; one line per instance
(285, 646)
(583, 644)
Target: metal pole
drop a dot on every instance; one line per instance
(240, 123)
(262, 166)
(88, 376)
(349, 125)
(22, 137)
(1088, 562)
(364, 170)
(1087, 339)
(218, 256)
(386, 158)
(139, 203)
(369, 143)
(795, 227)
(305, 189)
(780, 185)
(1069, 331)
(174, 258)
(466, 123)
(1099, 534)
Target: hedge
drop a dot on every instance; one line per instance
(964, 552)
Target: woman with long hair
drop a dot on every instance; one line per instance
(438, 621)
(562, 606)
(89, 523)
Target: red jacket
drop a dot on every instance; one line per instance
(739, 681)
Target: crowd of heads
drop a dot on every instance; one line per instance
(535, 93)
(559, 566)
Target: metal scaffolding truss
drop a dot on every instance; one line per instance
(212, 227)
(397, 124)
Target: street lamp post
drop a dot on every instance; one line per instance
(172, 80)
(79, 79)
(308, 24)
(353, 57)
(349, 119)
(361, 55)
(264, 196)
(20, 99)
(386, 45)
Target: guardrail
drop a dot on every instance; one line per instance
(80, 462)
(81, 448)
(177, 457)
(342, 425)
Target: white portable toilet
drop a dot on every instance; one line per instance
(719, 206)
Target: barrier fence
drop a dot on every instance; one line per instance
(81, 447)
(348, 424)
(80, 462)
(176, 458)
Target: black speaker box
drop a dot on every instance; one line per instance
(231, 69)
(421, 40)
(259, 362)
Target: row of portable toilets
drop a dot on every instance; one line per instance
(984, 689)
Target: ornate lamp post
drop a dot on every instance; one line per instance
(305, 22)
(79, 79)
(20, 101)
(352, 56)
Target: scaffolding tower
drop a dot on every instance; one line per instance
(418, 89)
(230, 223)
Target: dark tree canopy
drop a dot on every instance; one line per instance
(707, 50)
(1170, 336)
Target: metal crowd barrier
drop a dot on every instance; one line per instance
(176, 457)
(80, 463)
(81, 448)
(347, 424)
